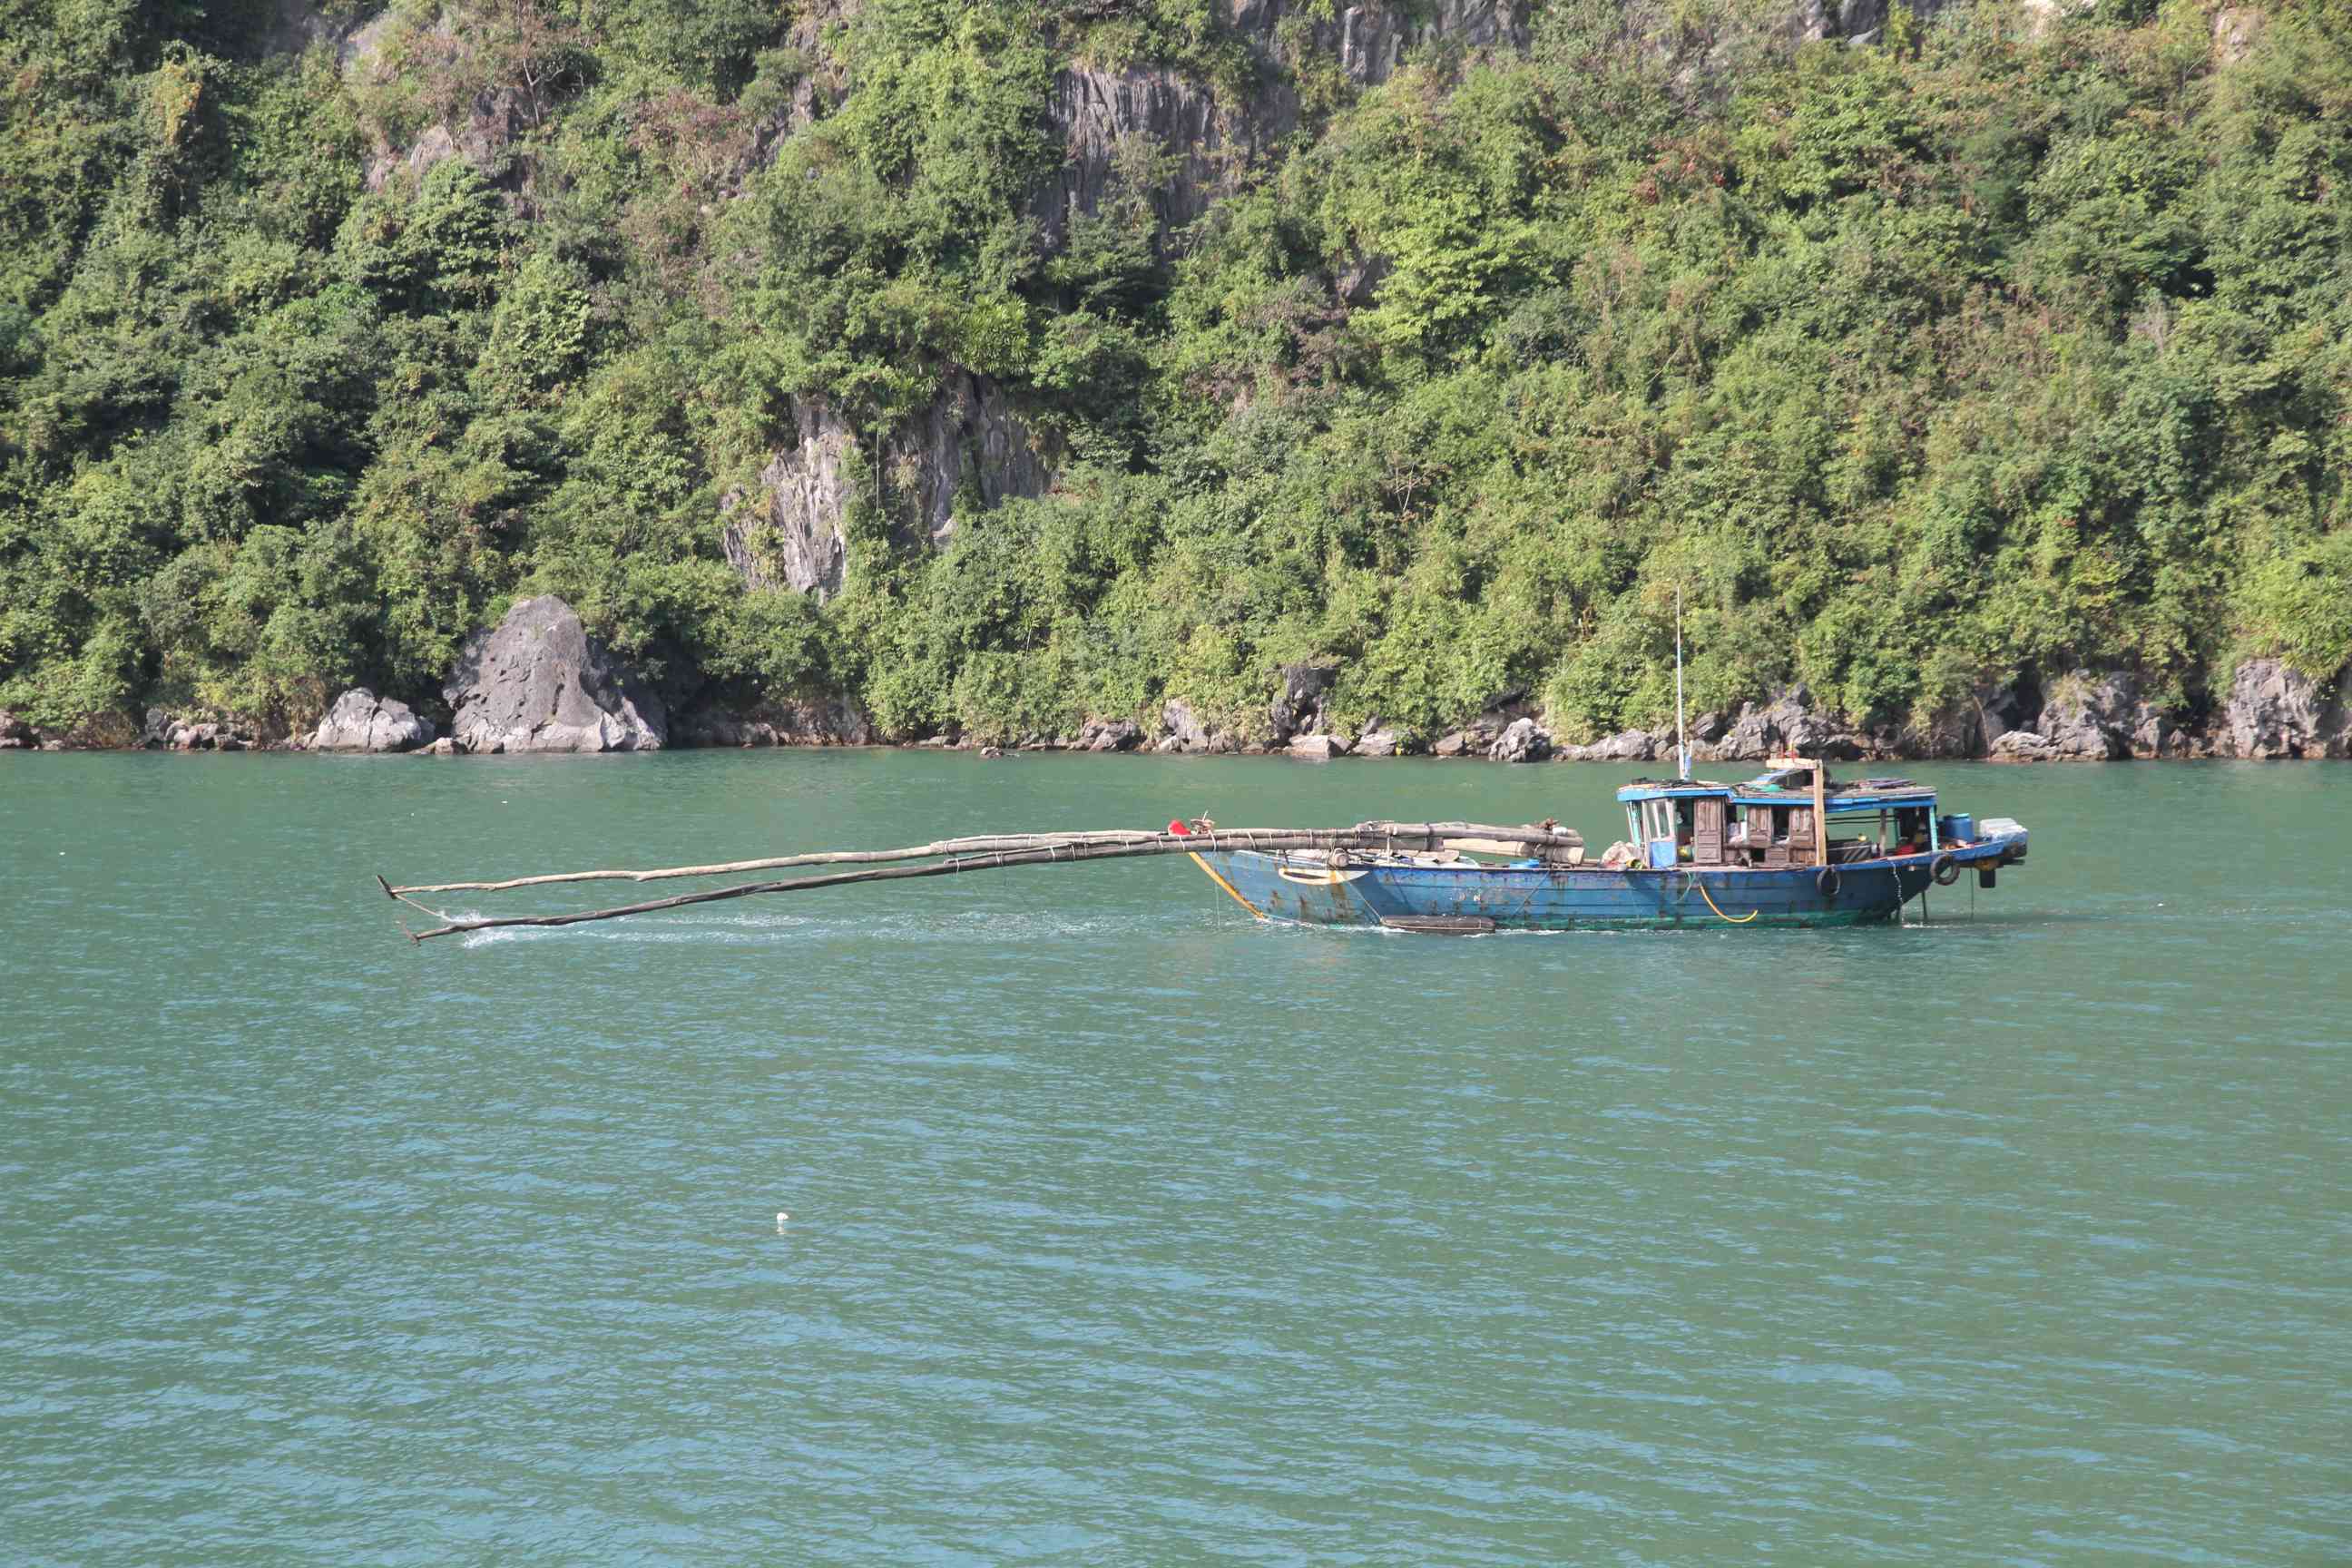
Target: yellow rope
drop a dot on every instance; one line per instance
(1702, 893)
(1228, 886)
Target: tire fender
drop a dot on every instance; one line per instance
(1826, 881)
(1944, 869)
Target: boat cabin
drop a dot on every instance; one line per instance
(1791, 815)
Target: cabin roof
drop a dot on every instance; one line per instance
(1840, 799)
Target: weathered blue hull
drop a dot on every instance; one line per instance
(1558, 898)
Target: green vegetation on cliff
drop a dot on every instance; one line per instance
(2015, 343)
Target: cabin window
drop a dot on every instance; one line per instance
(1911, 830)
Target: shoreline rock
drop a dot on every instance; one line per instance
(2273, 713)
(359, 720)
(778, 722)
(1521, 742)
(539, 683)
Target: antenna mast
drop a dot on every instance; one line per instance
(1681, 742)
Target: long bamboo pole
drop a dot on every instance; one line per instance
(982, 844)
(780, 862)
(1070, 848)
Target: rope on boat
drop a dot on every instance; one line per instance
(1702, 893)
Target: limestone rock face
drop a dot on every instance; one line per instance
(362, 722)
(1372, 40)
(539, 683)
(1523, 742)
(2022, 746)
(971, 432)
(1110, 735)
(1115, 124)
(1318, 748)
(790, 535)
(171, 732)
(1378, 743)
(1300, 707)
(16, 735)
(1625, 746)
(1786, 725)
(778, 722)
(2091, 718)
(968, 442)
(1187, 732)
(1185, 146)
(2275, 711)
(1960, 729)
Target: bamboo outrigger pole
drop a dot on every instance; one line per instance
(954, 855)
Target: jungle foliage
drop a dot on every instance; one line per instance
(2005, 346)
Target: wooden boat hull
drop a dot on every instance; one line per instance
(1466, 898)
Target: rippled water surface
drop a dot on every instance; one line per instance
(1124, 1230)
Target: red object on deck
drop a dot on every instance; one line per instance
(1178, 829)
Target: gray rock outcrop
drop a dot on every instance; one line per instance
(2274, 710)
(362, 722)
(1317, 748)
(1523, 742)
(16, 735)
(2022, 746)
(1187, 732)
(1110, 735)
(1379, 744)
(789, 534)
(969, 444)
(2090, 718)
(172, 731)
(1625, 746)
(539, 683)
(969, 441)
(1148, 129)
(1789, 724)
(1301, 708)
(778, 722)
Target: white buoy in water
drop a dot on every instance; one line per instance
(781, 1217)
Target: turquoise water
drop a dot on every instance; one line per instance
(1123, 1231)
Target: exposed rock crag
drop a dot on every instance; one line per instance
(362, 722)
(2274, 711)
(539, 683)
(813, 721)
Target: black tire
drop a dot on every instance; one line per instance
(1985, 876)
(1826, 881)
(1946, 870)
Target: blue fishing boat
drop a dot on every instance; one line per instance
(1764, 852)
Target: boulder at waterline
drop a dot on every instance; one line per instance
(2022, 746)
(362, 722)
(1625, 746)
(539, 683)
(1110, 735)
(1522, 741)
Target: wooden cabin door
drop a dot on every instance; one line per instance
(1707, 834)
(1800, 836)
